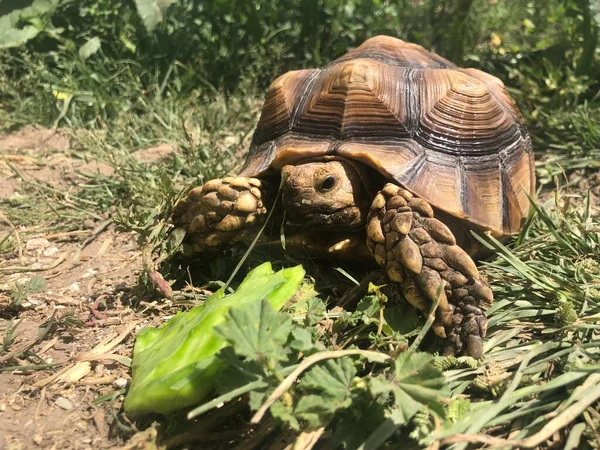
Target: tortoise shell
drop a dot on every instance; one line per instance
(451, 136)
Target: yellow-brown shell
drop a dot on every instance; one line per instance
(452, 136)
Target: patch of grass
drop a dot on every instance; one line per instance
(567, 140)
(543, 339)
(40, 201)
(207, 138)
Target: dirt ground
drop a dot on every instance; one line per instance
(79, 324)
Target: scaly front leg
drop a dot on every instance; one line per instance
(420, 253)
(221, 212)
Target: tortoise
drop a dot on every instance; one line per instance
(394, 147)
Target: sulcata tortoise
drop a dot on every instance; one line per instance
(392, 146)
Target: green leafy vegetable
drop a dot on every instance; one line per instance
(332, 384)
(256, 331)
(175, 366)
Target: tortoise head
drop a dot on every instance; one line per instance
(327, 194)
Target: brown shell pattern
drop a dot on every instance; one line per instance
(452, 136)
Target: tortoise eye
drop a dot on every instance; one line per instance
(328, 184)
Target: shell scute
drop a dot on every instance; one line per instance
(280, 104)
(458, 115)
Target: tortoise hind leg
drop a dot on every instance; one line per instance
(420, 253)
(221, 212)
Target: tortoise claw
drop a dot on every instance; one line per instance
(474, 346)
(407, 253)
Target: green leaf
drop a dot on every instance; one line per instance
(365, 411)
(344, 321)
(333, 381)
(333, 377)
(237, 372)
(36, 284)
(368, 308)
(417, 383)
(367, 311)
(152, 12)
(417, 375)
(381, 434)
(595, 10)
(256, 331)
(403, 318)
(318, 410)
(406, 405)
(12, 34)
(285, 413)
(14, 37)
(90, 47)
(257, 398)
(175, 239)
(301, 340)
(309, 309)
(34, 9)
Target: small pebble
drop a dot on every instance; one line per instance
(37, 439)
(89, 273)
(89, 224)
(50, 251)
(63, 403)
(230, 140)
(120, 383)
(37, 244)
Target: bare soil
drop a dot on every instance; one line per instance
(80, 324)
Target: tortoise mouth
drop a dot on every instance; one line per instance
(299, 218)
